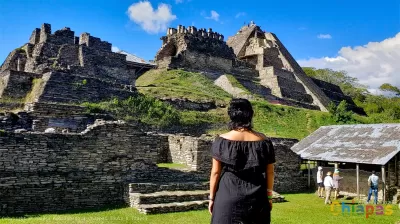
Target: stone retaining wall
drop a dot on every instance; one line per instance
(195, 153)
(16, 84)
(54, 172)
(68, 88)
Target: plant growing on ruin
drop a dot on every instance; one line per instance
(340, 112)
(79, 85)
(139, 108)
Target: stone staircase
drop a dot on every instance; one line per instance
(154, 198)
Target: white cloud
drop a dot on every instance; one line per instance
(324, 36)
(178, 1)
(372, 64)
(151, 20)
(214, 15)
(115, 49)
(240, 14)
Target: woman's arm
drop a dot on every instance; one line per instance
(270, 177)
(215, 174)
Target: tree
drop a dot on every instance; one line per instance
(340, 112)
(389, 88)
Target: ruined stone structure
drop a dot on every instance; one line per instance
(201, 49)
(258, 60)
(109, 163)
(89, 162)
(60, 67)
(55, 69)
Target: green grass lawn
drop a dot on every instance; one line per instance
(300, 208)
(172, 165)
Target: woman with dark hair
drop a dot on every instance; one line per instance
(242, 174)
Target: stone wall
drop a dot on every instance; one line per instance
(191, 151)
(284, 84)
(11, 121)
(185, 104)
(94, 42)
(288, 177)
(319, 97)
(54, 172)
(67, 88)
(196, 61)
(195, 153)
(16, 84)
(61, 117)
(194, 49)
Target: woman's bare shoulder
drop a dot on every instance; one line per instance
(261, 135)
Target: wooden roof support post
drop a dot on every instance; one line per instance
(358, 181)
(384, 184)
(309, 174)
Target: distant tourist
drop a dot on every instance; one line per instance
(242, 174)
(320, 182)
(328, 183)
(373, 181)
(336, 182)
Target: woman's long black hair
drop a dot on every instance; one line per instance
(241, 113)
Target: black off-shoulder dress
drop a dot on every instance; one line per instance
(241, 195)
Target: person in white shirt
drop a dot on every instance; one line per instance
(320, 175)
(328, 183)
(373, 183)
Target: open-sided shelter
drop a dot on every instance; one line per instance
(374, 144)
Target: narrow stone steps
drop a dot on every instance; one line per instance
(145, 188)
(172, 207)
(167, 197)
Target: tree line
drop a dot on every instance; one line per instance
(380, 108)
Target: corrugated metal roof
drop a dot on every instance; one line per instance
(362, 143)
(134, 58)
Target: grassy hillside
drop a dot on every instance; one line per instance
(273, 120)
(180, 84)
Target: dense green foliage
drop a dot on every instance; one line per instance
(274, 120)
(180, 84)
(390, 88)
(379, 108)
(300, 208)
(140, 108)
(341, 113)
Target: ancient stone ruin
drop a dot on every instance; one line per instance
(55, 69)
(56, 157)
(258, 60)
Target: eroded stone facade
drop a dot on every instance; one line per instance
(60, 67)
(257, 59)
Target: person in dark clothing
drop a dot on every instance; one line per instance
(242, 174)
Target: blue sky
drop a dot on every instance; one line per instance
(311, 30)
